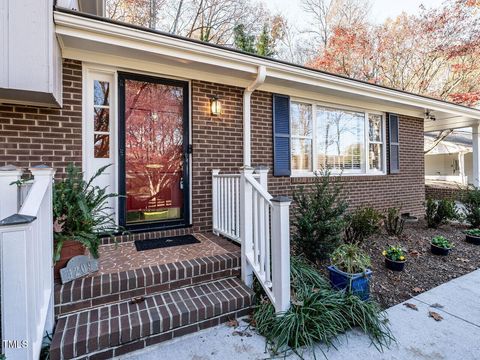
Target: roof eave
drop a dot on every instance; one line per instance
(71, 24)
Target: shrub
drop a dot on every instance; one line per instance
(361, 224)
(442, 242)
(471, 200)
(395, 253)
(318, 219)
(439, 212)
(393, 222)
(81, 211)
(351, 259)
(318, 314)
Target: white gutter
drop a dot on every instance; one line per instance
(247, 94)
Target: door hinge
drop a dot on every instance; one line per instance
(190, 149)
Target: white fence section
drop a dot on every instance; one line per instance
(26, 267)
(245, 212)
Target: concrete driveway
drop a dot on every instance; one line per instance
(418, 335)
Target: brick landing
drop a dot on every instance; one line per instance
(124, 256)
(142, 298)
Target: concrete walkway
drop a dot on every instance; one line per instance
(419, 336)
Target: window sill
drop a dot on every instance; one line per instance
(309, 177)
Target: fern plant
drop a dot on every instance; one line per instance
(81, 211)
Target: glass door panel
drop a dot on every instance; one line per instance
(154, 155)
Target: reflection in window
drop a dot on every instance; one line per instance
(101, 119)
(100, 93)
(375, 126)
(340, 138)
(301, 130)
(343, 141)
(101, 146)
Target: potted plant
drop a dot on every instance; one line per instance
(350, 270)
(440, 246)
(472, 236)
(81, 215)
(394, 258)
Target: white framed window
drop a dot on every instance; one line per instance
(342, 140)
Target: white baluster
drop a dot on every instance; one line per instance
(263, 172)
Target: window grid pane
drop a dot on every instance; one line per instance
(101, 119)
(340, 140)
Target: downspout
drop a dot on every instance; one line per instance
(247, 94)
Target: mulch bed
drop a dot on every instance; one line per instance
(423, 270)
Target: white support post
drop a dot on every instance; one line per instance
(9, 193)
(215, 208)
(461, 167)
(263, 172)
(476, 155)
(246, 221)
(281, 252)
(44, 172)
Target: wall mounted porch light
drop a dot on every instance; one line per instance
(215, 106)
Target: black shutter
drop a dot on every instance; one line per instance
(281, 135)
(394, 143)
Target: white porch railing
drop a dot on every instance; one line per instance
(226, 202)
(244, 211)
(26, 267)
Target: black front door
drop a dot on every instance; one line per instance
(153, 152)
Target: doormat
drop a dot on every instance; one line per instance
(164, 242)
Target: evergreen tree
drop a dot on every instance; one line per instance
(242, 40)
(265, 43)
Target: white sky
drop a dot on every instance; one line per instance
(381, 9)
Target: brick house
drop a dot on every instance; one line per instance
(177, 119)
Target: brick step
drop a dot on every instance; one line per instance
(115, 329)
(103, 289)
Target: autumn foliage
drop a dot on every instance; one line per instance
(434, 53)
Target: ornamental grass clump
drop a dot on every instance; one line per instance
(351, 259)
(318, 314)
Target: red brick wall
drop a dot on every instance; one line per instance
(217, 143)
(34, 135)
(37, 135)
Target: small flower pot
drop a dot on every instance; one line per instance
(394, 265)
(437, 250)
(472, 239)
(357, 284)
(69, 250)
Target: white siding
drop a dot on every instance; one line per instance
(31, 60)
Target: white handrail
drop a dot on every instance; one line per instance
(265, 234)
(26, 269)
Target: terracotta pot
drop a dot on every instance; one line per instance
(70, 249)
